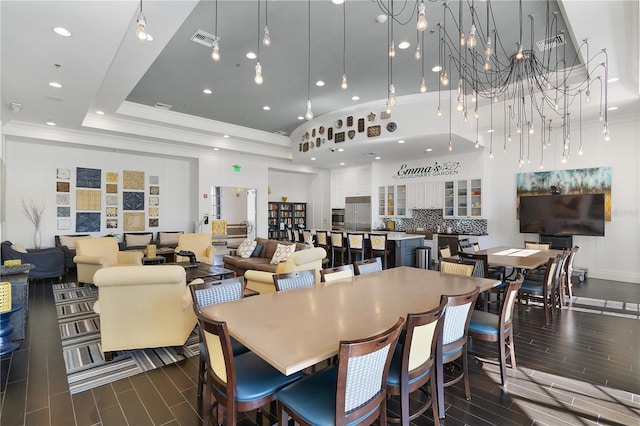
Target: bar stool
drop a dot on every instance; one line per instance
(337, 246)
(355, 243)
(322, 241)
(379, 247)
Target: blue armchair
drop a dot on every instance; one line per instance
(48, 263)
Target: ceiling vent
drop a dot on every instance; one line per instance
(373, 154)
(160, 105)
(203, 38)
(550, 43)
(280, 132)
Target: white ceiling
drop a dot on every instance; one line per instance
(103, 67)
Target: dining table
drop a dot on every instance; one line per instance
(518, 258)
(296, 329)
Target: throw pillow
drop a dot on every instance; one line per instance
(168, 238)
(257, 250)
(138, 240)
(282, 253)
(19, 247)
(70, 240)
(246, 248)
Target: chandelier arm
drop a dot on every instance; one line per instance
(387, 11)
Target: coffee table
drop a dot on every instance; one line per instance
(205, 271)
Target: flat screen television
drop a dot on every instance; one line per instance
(579, 214)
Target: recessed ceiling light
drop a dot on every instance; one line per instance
(490, 131)
(404, 45)
(337, 1)
(613, 108)
(342, 164)
(613, 80)
(266, 107)
(55, 84)
(355, 98)
(50, 123)
(340, 149)
(377, 158)
(300, 117)
(226, 136)
(436, 68)
(207, 91)
(428, 150)
(319, 83)
(381, 19)
(216, 149)
(313, 158)
(251, 55)
(100, 112)
(401, 141)
(62, 31)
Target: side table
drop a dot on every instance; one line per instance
(6, 330)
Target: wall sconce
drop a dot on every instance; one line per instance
(238, 191)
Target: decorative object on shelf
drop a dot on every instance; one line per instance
(339, 137)
(321, 130)
(391, 127)
(373, 131)
(34, 214)
(318, 142)
(305, 147)
(313, 133)
(371, 116)
(339, 124)
(350, 121)
(351, 134)
(330, 133)
(151, 250)
(284, 199)
(360, 125)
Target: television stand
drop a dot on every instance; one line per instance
(558, 242)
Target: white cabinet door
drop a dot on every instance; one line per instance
(434, 195)
(411, 196)
(337, 199)
(363, 180)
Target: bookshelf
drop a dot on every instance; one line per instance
(282, 216)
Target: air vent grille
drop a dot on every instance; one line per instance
(203, 38)
(160, 105)
(550, 43)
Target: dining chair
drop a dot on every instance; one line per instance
(295, 279)
(445, 252)
(454, 344)
(352, 392)
(378, 243)
(413, 364)
(238, 383)
(534, 245)
(367, 266)
(482, 270)
(355, 243)
(459, 267)
(544, 289)
(211, 293)
(337, 246)
(567, 285)
(465, 246)
(337, 273)
(498, 328)
(322, 240)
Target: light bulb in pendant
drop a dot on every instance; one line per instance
(588, 98)
(418, 53)
(392, 95)
(556, 105)
(444, 79)
(258, 78)
(509, 138)
(564, 160)
(490, 154)
(464, 116)
(392, 50)
(474, 97)
(601, 118)
(488, 50)
(495, 99)
(141, 32)
(450, 147)
(460, 106)
(459, 87)
(532, 130)
(541, 166)
(388, 107)
(463, 40)
(519, 54)
(580, 151)
(606, 133)
(471, 41)
(343, 82)
(487, 65)
(423, 86)
(475, 114)
(439, 112)
(215, 53)
(309, 114)
(477, 145)
(266, 40)
(422, 18)
(518, 129)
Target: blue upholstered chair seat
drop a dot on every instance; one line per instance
(484, 323)
(531, 286)
(393, 378)
(313, 398)
(256, 379)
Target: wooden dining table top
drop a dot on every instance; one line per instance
(295, 329)
(519, 258)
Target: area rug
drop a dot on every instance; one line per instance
(80, 333)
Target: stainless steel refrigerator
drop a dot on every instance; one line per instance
(357, 215)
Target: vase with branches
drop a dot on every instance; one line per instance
(34, 214)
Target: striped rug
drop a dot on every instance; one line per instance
(80, 333)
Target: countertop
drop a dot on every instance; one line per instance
(460, 233)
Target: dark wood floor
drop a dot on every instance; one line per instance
(582, 369)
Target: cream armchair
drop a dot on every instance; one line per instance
(299, 261)
(143, 307)
(199, 244)
(97, 253)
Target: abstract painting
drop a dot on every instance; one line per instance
(112, 212)
(132, 179)
(63, 199)
(112, 188)
(112, 200)
(154, 180)
(154, 201)
(153, 211)
(62, 186)
(112, 223)
(87, 222)
(153, 223)
(132, 200)
(112, 177)
(64, 211)
(64, 224)
(87, 199)
(154, 190)
(88, 178)
(63, 174)
(133, 221)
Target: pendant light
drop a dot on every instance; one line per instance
(141, 32)
(422, 18)
(215, 52)
(343, 82)
(309, 113)
(258, 77)
(266, 40)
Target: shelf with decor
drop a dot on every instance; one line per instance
(463, 198)
(282, 216)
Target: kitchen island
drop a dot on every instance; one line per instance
(403, 247)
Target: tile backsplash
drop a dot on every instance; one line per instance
(432, 219)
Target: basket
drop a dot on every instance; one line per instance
(5, 296)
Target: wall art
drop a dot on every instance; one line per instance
(350, 121)
(63, 211)
(373, 131)
(133, 221)
(112, 212)
(112, 177)
(87, 222)
(88, 178)
(112, 223)
(360, 125)
(62, 186)
(63, 199)
(132, 200)
(64, 174)
(154, 180)
(154, 190)
(112, 188)
(64, 224)
(153, 211)
(154, 201)
(351, 134)
(339, 137)
(153, 223)
(330, 133)
(111, 200)
(132, 179)
(87, 199)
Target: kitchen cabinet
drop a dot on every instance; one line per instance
(424, 195)
(433, 196)
(338, 189)
(392, 200)
(401, 200)
(463, 198)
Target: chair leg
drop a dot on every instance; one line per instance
(440, 387)
(512, 350)
(465, 371)
(201, 370)
(503, 362)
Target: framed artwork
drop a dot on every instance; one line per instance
(132, 179)
(87, 222)
(63, 212)
(87, 199)
(112, 200)
(112, 223)
(154, 180)
(62, 186)
(88, 178)
(112, 188)
(132, 200)
(133, 221)
(112, 212)
(64, 224)
(153, 222)
(112, 177)
(154, 201)
(63, 199)
(154, 190)
(153, 211)
(64, 174)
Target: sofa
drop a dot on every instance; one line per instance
(93, 254)
(143, 307)
(258, 271)
(67, 244)
(136, 240)
(47, 263)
